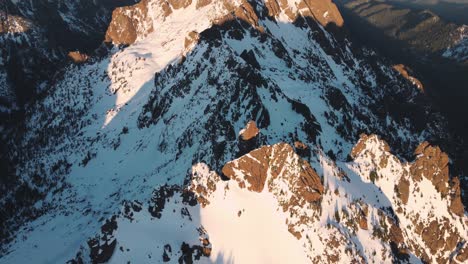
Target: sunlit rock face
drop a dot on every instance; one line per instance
(127, 22)
(229, 131)
(406, 73)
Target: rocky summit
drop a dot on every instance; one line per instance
(216, 131)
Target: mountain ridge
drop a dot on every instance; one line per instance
(129, 125)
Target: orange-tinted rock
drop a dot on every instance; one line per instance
(273, 7)
(406, 73)
(403, 189)
(206, 247)
(250, 131)
(78, 57)
(276, 6)
(244, 11)
(432, 237)
(121, 30)
(300, 145)
(438, 236)
(247, 13)
(302, 149)
(324, 11)
(288, 10)
(126, 23)
(166, 8)
(206, 251)
(432, 164)
(396, 235)
(203, 183)
(363, 222)
(202, 3)
(253, 168)
(361, 145)
(456, 205)
(462, 255)
(295, 233)
(192, 38)
(178, 4)
(362, 214)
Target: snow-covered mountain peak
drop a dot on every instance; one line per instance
(207, 124)
(353, 216)
(178, 26)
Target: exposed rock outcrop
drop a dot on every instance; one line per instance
(78, 57)
(402, 189)
(294, 183)
(203, 183)
(203, 3)
(274, 162)
(462, 254)
(456, 205)
(242, 10)
(275, 7)
(128, 22)
(249, 138)
(250, 131)
(191, 39)
(325, 12)
(363, 222)
(424, 199)
(407, 73)
(178, 4)
(302, 149)
(432, 164)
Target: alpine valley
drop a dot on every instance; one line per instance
(217, 131)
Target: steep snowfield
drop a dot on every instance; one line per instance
(118, 128)
(241, 238)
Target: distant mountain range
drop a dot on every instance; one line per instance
(451, 10)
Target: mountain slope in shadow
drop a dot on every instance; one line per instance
(417, 38)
